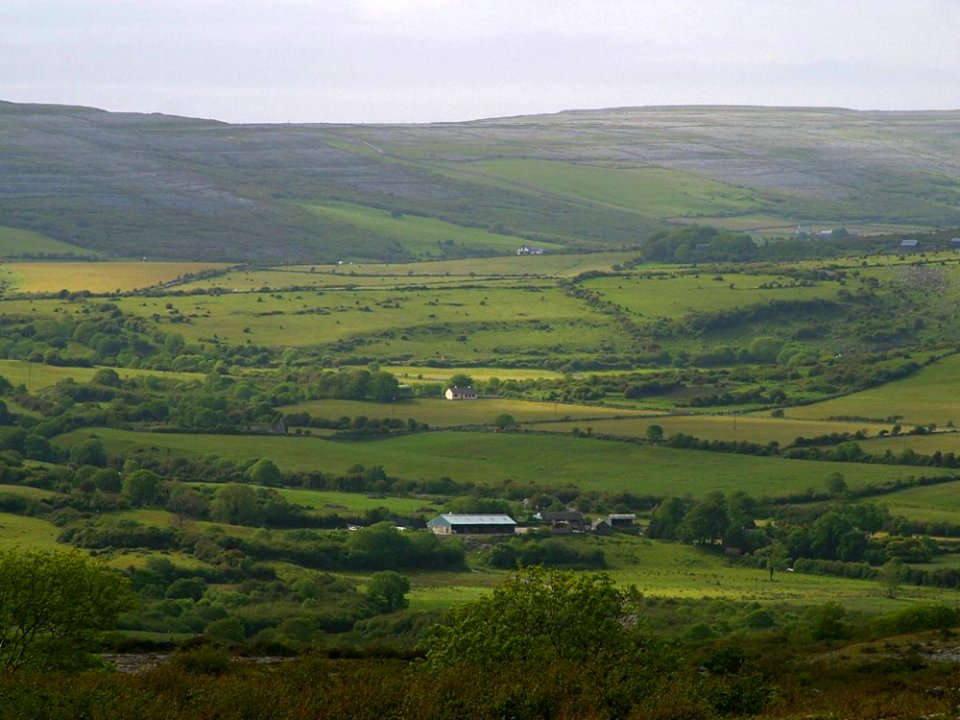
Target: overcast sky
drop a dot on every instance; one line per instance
(428, 60)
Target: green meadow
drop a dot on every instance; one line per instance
(933, 503)
(15, 242)
(731, 428)
(925, 397)
(520, 458)
(651, 191)
(417, 234)
(39, 277)
(673, 296)
(18, 531)
(35, 376)
(441, 412)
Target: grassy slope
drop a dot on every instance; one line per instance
(487, 458)
(445, 413)
(421, 236)
(926, 397)
(15, 242)
(102, 276)
(651, 191)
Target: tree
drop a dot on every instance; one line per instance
(890, 575)
(836, 484)
(265, 472)
(89, 452)
(387, 591)
(540, 616)
(707, 522)
(654, 433)
(52, 605)
(141, 487)
(460, 380)
(237, 505)
(504, 421)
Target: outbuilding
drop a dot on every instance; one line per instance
(462, 524)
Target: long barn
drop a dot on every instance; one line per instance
(457, 524)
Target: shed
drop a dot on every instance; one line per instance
(458, 524)
(621, 520)
(562, 519)
(909, 244)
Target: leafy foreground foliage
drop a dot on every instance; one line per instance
(545, 644)
(52, 605)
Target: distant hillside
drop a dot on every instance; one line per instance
(167, 187)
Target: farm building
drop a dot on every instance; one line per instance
(562, 520)
(456, 524)
(529, 250)
(621, 520)
(459, 393)
(955, 243)
(909, 244)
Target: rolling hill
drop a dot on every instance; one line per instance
(129, 185)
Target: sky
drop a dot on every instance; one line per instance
(393, 61)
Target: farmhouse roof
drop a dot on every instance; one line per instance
(909, 243)
(465, 519)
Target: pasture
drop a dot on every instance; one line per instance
(676, 295)
(650, 191)
(17, 531)
(923, 398)
(102, 277)
(35, 376)
(441, 412)
(422, 236)
(933, 503)
(488, 458)
(15, 242)
(436, 272)
(394, 323)
(731, 428)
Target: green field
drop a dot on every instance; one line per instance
(651, 191)
(678, 295)
(17, 531)
(400, 323)
(102, 276)
(37, 375)
(934, 503)
(441, 412)
(14, 242)
(925, 397)
(436, 272)
(489, 458)
(422, 236)
(731, 428)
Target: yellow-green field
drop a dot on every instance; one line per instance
(27, 492)
(720, 427)
(411, 374)
(420, 235)
(933, 503)
(101, 276)
(678, 295)
(36, 376)
(21, 532)
(650, 191)
(446, 413)
(437, 272)
(926, 397)
(14, 242)
(311, 318)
